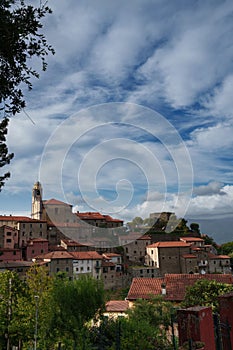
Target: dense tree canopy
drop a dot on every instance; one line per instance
(20, 40)
(205, 293)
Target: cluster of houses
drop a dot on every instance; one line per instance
(99, 245)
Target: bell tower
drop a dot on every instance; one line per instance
(37, 201)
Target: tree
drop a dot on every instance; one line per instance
(205, 293)
(227, 248)
(75, 303)
(195, 227)
(143, 329)
(5, 158)
(20, 40)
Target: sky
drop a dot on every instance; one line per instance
(134, 114)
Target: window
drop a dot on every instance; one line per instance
(40, 225)
(33, 251)
(14, 253)
(81, 268)
(8, 240)
(58, 269)
(56, 210)
(42, 251)
(88, 268)
(76, 268)
(67, 269)
(8, 233)
(152, 251)
(126, 250)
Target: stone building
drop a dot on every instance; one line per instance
(167, 256)
(27, 228)
(135, 250)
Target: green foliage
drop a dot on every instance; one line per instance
(195, 227)
(144, 329)
(59, 307)
(227, 248)
(20, 40)
(75, 302)
(205, 293)
(5, 157)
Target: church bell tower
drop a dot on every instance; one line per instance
(37, 201)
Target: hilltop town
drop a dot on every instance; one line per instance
(103, 247)
(135, 261)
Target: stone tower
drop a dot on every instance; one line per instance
(37, 201)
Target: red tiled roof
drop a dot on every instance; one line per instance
(65, 224)
(144, 237)
(117, 306)
(57, 254)
(189, 256)
(169, 244)
(18, 218)
(55, 202)
(91, 255)
(213, 256)
(111, 255)
(143, 288)
(176, 284)
(71, 243)
(191, 239)
(96, 216)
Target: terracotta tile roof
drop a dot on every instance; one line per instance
(71, 243)
(191, 239)
(213, 256)
(14, 264)
(176, 284)
(117, 305)
(96, 216)
(169, 244)
(143, 288)
(19, 218)
(57, 254)
(55, 202)
(65, 224)
(145, 237)
(111, 255)
(91, 255)
(189, 256)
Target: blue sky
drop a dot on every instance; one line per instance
(134, 114)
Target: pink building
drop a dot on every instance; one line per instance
(35, 247)
(7, 254)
